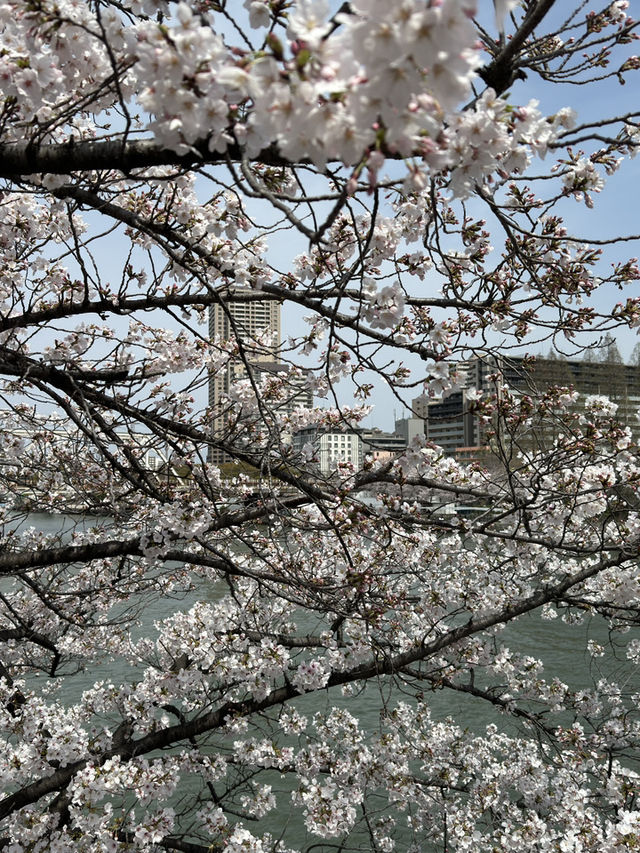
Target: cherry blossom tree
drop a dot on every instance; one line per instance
(226, 650)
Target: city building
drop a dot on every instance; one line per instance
(284, 388)
(450, 423)
(45, 432)
(256, 327)
(409, 428)
(255, 324)
(380, 446)
(327, 447)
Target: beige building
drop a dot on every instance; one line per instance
(255, 325)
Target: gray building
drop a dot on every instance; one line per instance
(409, 428)
(450, 423)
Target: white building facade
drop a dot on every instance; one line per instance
(327, 448)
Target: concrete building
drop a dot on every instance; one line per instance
(380, 446)
(256, 326)
(45, 433)
(450, 424)
(409, 428)
(327, 447)
(285, 389)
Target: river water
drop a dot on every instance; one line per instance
(560, 646)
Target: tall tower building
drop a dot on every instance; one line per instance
(247, 320)
(255, 325)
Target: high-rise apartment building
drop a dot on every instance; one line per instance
(448, 422)
(255, 325)
(247, 318)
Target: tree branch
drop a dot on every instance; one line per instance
(503, 70)
(388, 665)
(17, 160)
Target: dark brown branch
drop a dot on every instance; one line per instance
(18, 160)
(503, 70)
(173, 844)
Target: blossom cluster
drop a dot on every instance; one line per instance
(390, 77)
